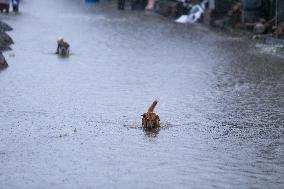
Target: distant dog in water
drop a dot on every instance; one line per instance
(62, 47)
(150, 119)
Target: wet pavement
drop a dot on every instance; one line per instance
(75, 122)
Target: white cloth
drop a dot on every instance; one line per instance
(194, 14)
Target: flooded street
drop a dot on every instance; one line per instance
(75, 122)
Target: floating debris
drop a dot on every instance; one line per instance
(5, 42)
(195, 13)
(3, 62)
(5, 27)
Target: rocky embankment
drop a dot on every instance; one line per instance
(5, 42)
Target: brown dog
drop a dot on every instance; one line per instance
(150, 119)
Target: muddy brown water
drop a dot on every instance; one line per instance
(75, 122)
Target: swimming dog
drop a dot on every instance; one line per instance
(62, 47)
(150, 119)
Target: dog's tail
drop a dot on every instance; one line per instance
(152, 107)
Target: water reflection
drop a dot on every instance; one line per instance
(151, 132)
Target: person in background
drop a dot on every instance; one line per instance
(15, 4)
(150, 5)
(120, 4)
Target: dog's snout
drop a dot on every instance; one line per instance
(150, 120)
(150, 124)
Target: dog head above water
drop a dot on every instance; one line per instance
(60, 40)
(62, 47)
(150, 119)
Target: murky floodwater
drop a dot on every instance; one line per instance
(75, 122)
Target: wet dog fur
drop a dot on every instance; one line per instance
(150, 119)
(62, 47)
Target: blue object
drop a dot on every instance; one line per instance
(91, 1)
(15, 4)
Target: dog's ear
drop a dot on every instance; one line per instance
(158, 118)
